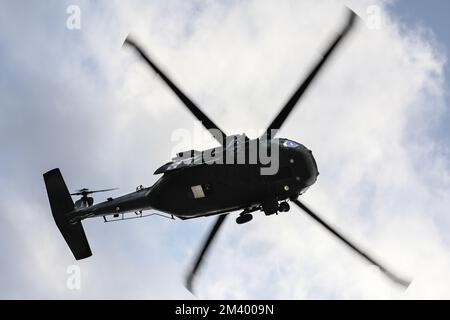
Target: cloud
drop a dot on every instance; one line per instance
(76, 100)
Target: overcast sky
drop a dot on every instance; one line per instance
(376, 120)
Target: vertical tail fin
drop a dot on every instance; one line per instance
(61, 204)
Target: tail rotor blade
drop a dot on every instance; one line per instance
(291, 103)
(86, 191)
(104, 190)
(216, 132)
(198, 262)
(363, 254)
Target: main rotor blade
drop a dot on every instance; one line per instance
(289, 106)
(216, 132)
(191, 276)
(388, 273)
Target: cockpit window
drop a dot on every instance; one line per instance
(290, 144)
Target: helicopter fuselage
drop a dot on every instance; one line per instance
(203, 189)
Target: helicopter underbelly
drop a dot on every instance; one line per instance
(208, 190)
(215, 189)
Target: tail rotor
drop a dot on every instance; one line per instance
(86, 201)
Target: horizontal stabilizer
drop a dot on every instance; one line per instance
(61, 204)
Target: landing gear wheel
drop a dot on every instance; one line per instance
(244, 218)
(284, 207)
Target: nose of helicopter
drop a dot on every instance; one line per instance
(306, 169)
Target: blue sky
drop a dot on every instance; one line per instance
(375, 120)
(433, 16)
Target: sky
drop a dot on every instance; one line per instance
(376, 120)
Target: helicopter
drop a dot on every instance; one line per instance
(212, 182)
